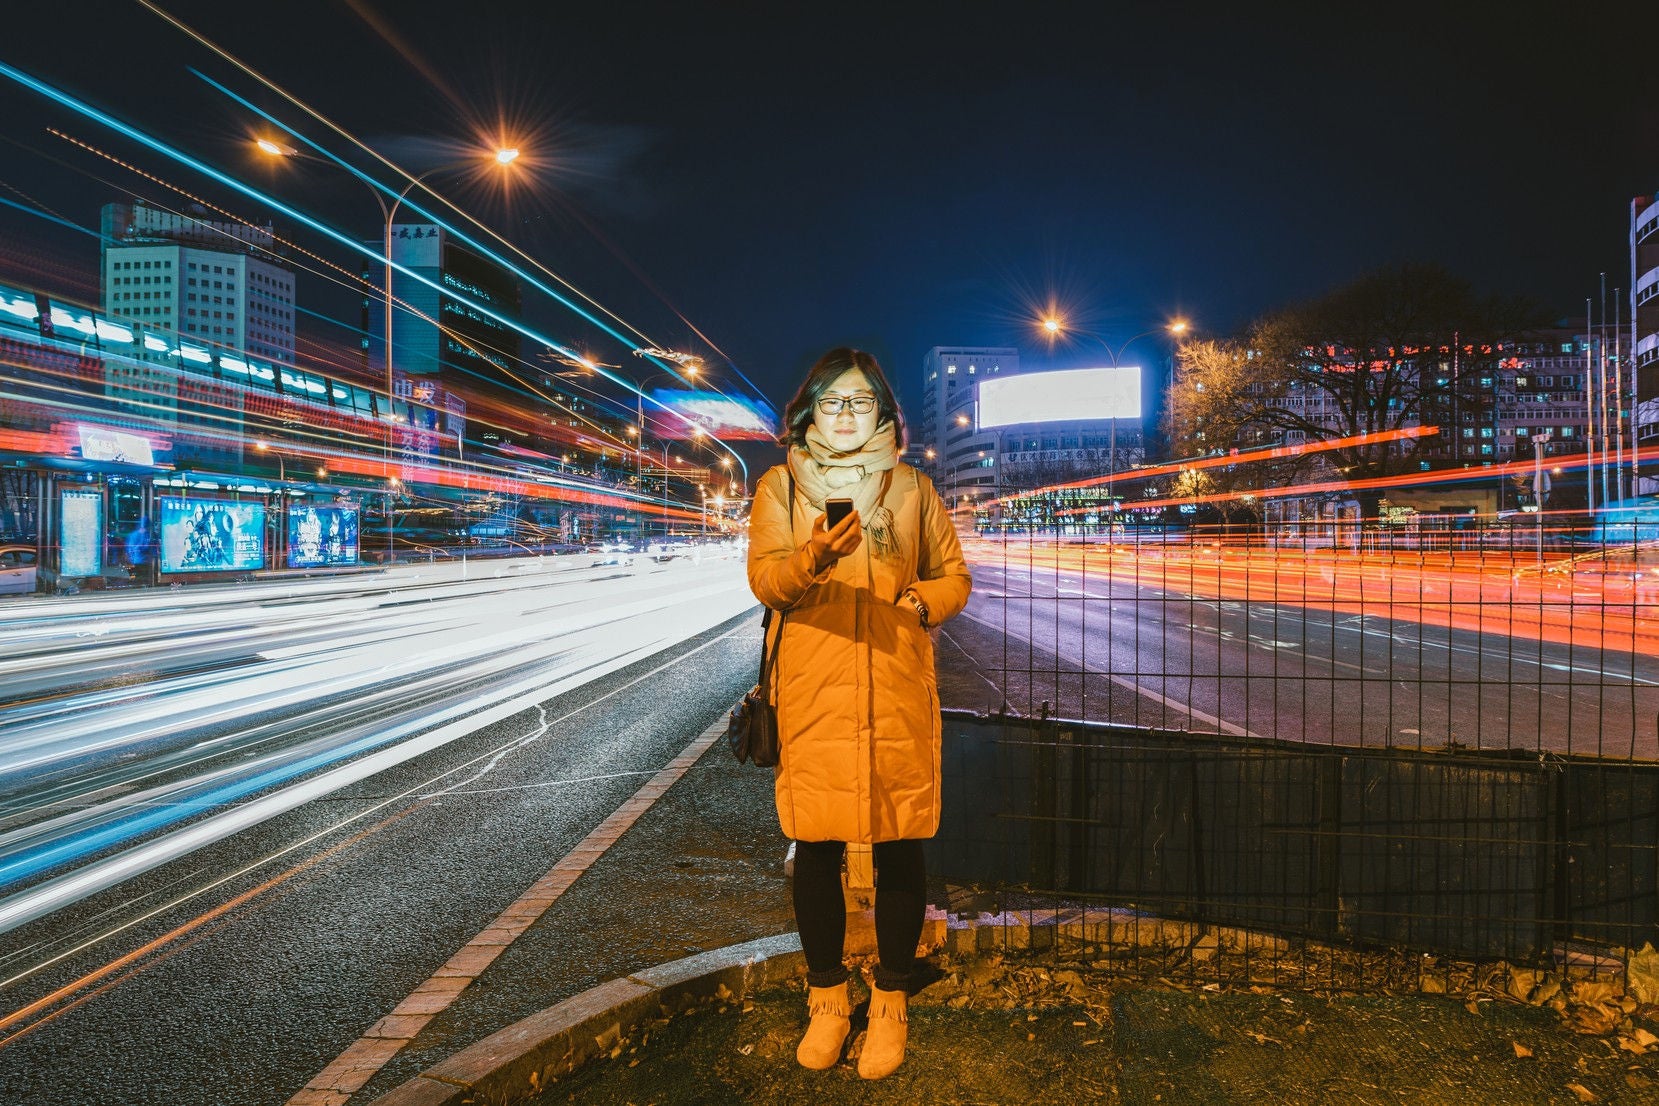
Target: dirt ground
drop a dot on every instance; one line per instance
(1010, 1032)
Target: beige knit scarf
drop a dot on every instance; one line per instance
(861, 475)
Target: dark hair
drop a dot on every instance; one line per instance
(798, 415)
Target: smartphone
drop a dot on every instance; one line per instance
(835, 510)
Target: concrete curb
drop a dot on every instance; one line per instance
(526, 1057)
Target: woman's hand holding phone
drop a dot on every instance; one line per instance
(831, 543)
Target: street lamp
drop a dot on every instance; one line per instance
(282, 500)
(1056, 326)
(665, 446)
(1539, 441)
(282, 470)
(689, 366)
(502, 156)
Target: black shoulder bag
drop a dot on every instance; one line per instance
(752, 732)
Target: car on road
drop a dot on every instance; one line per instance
(667, 550)
(613, 553)
(18, 570)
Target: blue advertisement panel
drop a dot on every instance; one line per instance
(82, 540)
(723, 416)
(319, 536)
(211, 535)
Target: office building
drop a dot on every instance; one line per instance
(448, 322)
(1644, 335)
(209, 279)
(960, 458)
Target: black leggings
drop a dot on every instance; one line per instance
(821, 911)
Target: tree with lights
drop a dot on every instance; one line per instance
(1401, 348)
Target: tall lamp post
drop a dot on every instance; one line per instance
(1539, 441)
(690, 368)
(282, 500)
(665, 446)
(502, 156)
(1056, 326)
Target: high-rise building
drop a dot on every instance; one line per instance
(959, 451)
(435, 331)
(1644, 333)
(208, 279)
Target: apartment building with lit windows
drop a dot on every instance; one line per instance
(1644, 333)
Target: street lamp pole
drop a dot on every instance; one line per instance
(665, 446)
(1056, 326)
(282, 499)
(1539, 441)
(502, 156)
(639, 414)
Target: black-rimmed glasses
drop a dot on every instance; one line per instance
(834, 405)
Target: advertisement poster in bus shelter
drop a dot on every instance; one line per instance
(321, 536)
(211, 535)
(82, 545)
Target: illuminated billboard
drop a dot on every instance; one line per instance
(211, 535)
(81, 546)
(1071, 395)
(726, 417)
(320, 536)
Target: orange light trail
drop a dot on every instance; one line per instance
(1404, 480)
(136, 956)
(1277, 453)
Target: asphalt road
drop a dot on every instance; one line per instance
(125, 718)
(1314, 650)
(237, 968)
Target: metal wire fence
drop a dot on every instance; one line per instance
(1322, 757)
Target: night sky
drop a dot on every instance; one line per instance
(783, 182)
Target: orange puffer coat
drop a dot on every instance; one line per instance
(856, 692)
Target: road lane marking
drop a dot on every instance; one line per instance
(349, 1072)
(1124, 682)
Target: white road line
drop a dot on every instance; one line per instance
(1190, 711)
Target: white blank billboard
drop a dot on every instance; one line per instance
(1067, 396)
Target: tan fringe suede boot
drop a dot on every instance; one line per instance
(884, 1040)
(831, 1019)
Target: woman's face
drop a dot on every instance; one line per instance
(847, 430)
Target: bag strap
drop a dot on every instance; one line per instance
(768, 653)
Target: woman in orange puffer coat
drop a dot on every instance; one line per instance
(856, 693)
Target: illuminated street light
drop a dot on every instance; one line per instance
(1056, 326)
(503, 156)
(275, 149)
(282, 471)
